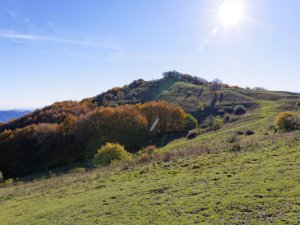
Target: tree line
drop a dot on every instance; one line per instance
(76, 137)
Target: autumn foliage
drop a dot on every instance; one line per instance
(287, 121)
(123, 125)
(171, 118)
(59, 135)
(55, 113)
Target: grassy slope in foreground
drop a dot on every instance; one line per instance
(259, 185)
(253, 187)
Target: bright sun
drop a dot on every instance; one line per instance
(231, 12)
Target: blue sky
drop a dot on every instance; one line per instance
(68, 50)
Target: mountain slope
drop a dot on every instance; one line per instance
(243, 173)
(179, 89)
(188, 91)
(176, 91)
(257, 185)
(69, 132)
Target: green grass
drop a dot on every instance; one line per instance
(257, 120)
(188, 96)
(258, 185)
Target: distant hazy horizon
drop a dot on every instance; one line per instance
(69, 50)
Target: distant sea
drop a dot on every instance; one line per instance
(7, 115)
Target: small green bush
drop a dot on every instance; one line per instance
(239, 110)
(191, 123)
(109, 153)
(217, 124)
(201, 107)
(213, 123)
(286, 121)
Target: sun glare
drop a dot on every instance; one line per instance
(231, 12)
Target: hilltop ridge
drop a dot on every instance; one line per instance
(68, 132)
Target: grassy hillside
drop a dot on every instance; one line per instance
(187, 92)
(207, 180)
(178, 92)
(69, 132)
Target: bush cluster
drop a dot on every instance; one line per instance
(110, 152)
(239, 110)
(191, 123)
(213, 123)
(287, 121)
(54, 114)
(217, 124)
(43, 146)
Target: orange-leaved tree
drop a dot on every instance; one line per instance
(170, 118)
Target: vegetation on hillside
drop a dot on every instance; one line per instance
(44, 146)
(54, 114)
(184, 90)
(69, 132)
(205, 180)
(109, 153)
(287, 121)
(232, 167)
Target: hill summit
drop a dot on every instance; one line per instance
(68, 132)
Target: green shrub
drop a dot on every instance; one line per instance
(201, 107)
(109, 153)
(147, 150)
(213, 123)
(286, 121)
(239, 110)
(191, 123)
(217, 124)
(9, 181)
(1, 177)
